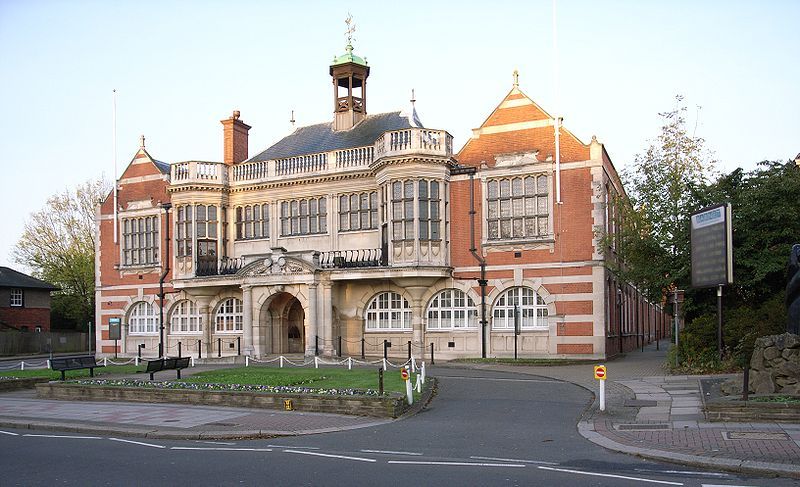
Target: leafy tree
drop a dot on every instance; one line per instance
(662, 185)
(58, 243)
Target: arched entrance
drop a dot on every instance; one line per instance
(282, 322)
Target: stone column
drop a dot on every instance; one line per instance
(417, 312)
(311, 331)
(247, 319)
(326, 319)
(204, 308)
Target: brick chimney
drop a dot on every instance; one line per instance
(234, 139)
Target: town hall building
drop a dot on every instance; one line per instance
(370, 228)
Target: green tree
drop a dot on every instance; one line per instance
(58, 243)
(662, 185)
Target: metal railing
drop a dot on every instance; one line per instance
(222, 267)
(346, 259)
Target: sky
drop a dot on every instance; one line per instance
(179, 67)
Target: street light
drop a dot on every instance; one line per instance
(165, 207)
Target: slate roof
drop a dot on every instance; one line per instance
(162, 166)
(321, 137)
(11, 278)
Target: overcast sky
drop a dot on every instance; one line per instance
(179, 67)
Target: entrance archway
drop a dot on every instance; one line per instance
(283, 323)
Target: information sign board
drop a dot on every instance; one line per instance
(712, 249)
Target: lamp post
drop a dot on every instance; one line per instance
(166, 207)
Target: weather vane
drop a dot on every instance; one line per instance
(351, 27)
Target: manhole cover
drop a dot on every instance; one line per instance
(223, 424)
(642, 427)
(754, 435)
(640, 403)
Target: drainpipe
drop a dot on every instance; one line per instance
(482, 282)
(166, 207)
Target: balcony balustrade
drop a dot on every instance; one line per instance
(222, 267)
(197, 172)
(349, 259)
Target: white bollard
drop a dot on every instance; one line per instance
(384, 364)
(281, 361)
(316, 362)
(48, 364)
(422, 372)
(136, 361)
(602, 395)
(409, 392)
(22, 365)
(192, 361)
(349, 363)
(413, 365)
(105, 361)
(247, 361)
(418, 384)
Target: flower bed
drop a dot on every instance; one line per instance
(16, 383)
(341, 401)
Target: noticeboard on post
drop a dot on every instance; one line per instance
(712, 246)
(114, 329)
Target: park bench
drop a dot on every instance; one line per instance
(176, 364)
(63, 364)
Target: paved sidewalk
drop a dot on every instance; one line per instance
(654, 415)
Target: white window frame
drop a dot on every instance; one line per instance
(143, 319)
(387, 311)
(16, 298)
(532, 308)
(451, 309)
(186, 319)
(513, 202)
(229, 316)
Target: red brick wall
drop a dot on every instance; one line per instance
(575, 348)
(575, 329)
(30, 317)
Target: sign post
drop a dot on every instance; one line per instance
(409, 390)
(114, 332)
(600, 374)
(712, 253)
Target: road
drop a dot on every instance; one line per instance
(483, 428)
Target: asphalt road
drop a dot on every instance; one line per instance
(482, 429)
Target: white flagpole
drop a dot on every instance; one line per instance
(557, 121)
(115, 163)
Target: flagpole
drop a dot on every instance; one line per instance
(557, 121)
(115, 161)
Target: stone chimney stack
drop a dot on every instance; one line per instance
(234, 139)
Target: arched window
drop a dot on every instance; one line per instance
(452, 309)
(388, 312)
(185, 318)
(528, 304)
(142, 319)
(229, 316)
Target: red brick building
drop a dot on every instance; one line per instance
(369, 229)
(24, 302)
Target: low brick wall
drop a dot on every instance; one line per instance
(733, 409)
(16, 384)
(380, 407)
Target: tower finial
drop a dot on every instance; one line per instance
(141, 141)
(516, 78)
(292, 120)
(413, 98)
(351, 28)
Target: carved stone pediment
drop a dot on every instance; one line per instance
(516, 159)
(277, 265)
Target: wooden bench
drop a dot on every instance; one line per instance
(176, 364)
(63, 364)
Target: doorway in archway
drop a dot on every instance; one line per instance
(283, 322)
(294, 327)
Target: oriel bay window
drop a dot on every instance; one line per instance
(358, 211)
(252, 221)
(140, 241)
(517, 208)
(423, 194)
(197, 223)
(304, 217)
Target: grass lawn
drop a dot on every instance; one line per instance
(317, 378)
(72, 374)
(777, 399)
